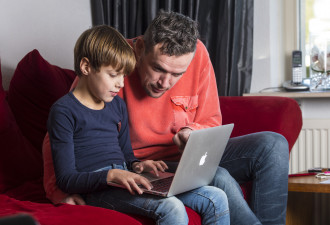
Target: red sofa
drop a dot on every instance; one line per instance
(35, 85)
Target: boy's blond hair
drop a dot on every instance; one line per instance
(104, 46)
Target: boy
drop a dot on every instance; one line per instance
(89, 136)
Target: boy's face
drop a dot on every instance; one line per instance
(159, 72)
(104, 85)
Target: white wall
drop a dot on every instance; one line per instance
(275, 36)
(51, 26)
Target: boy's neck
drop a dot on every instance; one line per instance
(86, 98)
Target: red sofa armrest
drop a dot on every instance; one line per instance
(263, 113)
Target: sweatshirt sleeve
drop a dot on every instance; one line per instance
(124, 138)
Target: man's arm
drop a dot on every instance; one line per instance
(208, 110)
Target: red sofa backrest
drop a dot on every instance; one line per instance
(263, 113)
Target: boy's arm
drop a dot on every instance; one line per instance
(53, 193)
(124, 138)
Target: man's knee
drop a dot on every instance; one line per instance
(273, 146)
(275, 154)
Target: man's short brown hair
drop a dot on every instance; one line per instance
(177, 33)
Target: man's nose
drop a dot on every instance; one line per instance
(165, 81)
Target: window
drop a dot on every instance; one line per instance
(314, 19)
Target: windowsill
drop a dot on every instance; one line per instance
(291, 94)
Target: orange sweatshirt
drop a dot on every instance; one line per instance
(192, 102)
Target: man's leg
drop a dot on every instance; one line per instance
(240, 211)
(263, 158)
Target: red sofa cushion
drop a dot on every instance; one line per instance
(19, 160)
(35, 86)
(263, 113)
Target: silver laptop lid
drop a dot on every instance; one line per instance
(200, 158)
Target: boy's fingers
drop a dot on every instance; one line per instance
(145, 182)
(164, 166)
(139, 168)
(160, 167)
(154, 168)
(128, 187)
(136, 188)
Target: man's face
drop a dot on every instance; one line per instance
(159, 72)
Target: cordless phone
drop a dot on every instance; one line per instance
(296, 67)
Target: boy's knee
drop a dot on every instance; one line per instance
(216, 195)
(224, 181)
(173, 206)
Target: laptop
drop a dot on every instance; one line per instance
(197, 166)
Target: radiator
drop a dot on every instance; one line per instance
(312, 149)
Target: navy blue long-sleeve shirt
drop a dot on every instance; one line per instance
(85, 140)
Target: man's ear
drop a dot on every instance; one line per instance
(139, 47)
(85, 66)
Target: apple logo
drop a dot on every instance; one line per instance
(202, 161)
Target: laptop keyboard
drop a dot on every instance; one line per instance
(162, 185)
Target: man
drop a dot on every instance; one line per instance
(172, 92)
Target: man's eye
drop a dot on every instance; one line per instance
(157, 69)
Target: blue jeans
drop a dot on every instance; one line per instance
(210, 202)
(262, 158)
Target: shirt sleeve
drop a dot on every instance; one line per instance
(124, 138)
(61, 128)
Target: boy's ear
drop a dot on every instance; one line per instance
(85, 66)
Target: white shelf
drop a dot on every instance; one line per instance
(300, 94)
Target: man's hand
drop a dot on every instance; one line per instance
(129, 180)
(74, 200)
(181, 138)
(149, 165)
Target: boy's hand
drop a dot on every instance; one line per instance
(129, 180)
(181, 138)
(74, 199)
(149, 165)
